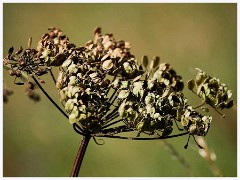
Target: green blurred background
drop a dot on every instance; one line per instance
(38, 140)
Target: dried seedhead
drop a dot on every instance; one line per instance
(102, 83)
(105, 91)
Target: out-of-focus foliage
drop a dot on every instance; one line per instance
(38, 141)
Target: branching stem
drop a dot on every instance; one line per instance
(200, 105)
(54, 80)
(46, 94)
(133, 138)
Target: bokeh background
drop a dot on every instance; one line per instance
(39, 141)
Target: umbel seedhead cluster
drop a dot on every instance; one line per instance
(102, 84)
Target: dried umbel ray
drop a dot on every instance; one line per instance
(106, 91)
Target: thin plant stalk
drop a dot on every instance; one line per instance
(80, 155)
(46, 94)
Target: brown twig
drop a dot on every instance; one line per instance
(46, 94)
(80, 154)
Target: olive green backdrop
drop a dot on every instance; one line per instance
(39, 141)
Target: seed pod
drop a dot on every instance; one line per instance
(74, 114)
(167, 131)
(117, 52)
(214, 82)
(72, 68)
(145, 61)
(11, 72)
(29, 43)
(107, 45)
(137, 88)
(207, 119)
(164, 66)
(200, 90)
(97, 30)
(19, 50)
(59, 80)
(192, 129)
(121, 110)
(72, 80)
(62, 95)
(115, 84)
(97, 34)
(107, 65)
(18, 73)
(137, 78)
(127, 67)
(191, 84)
(123, 94)
(229, 94)
(127, 45)
(124, 84)
(201, 76)
(82, 117)
(66, 63)
(154, 63)
(156, 116)
(229, 104)
(105, 57)
(184, 121)
(10, 51)
(69, 105)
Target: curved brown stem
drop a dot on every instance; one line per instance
(80, 154)
(49, 97)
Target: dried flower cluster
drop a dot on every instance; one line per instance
(54, 48)
(84, 80)
(153, 104)
(24, 61)
(102, 84)
(195, 123)
(22, 65)
(211, 91)
(147, 97)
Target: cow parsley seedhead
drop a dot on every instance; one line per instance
(105, 90)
